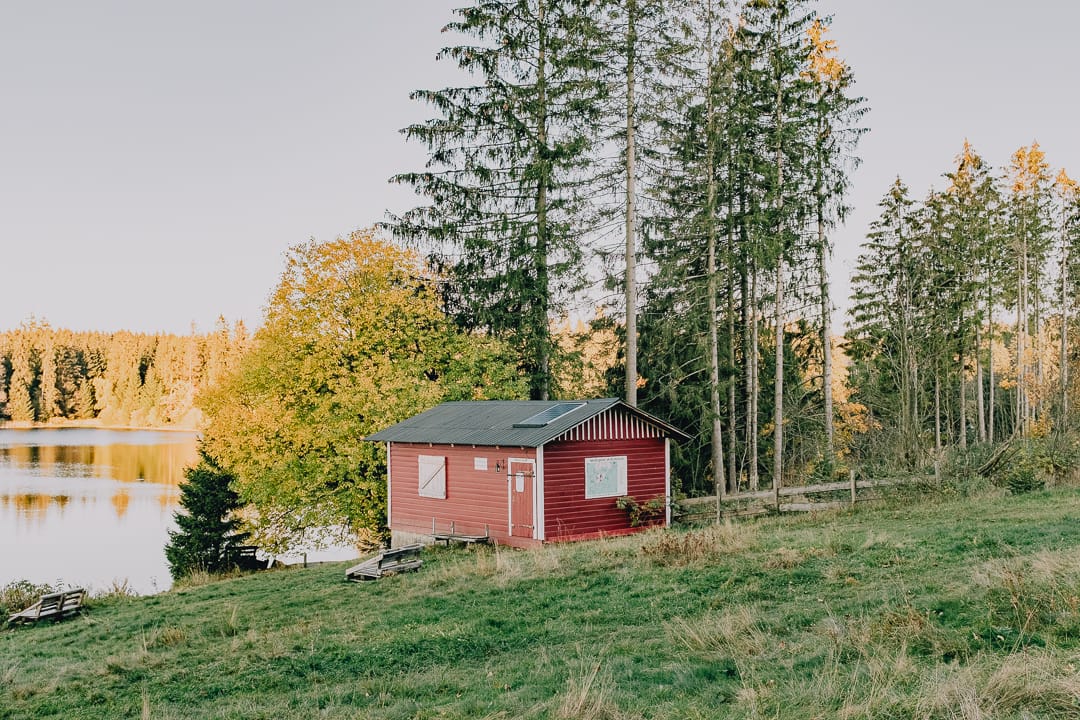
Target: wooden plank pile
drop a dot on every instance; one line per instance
(53, 605)
(387, 562)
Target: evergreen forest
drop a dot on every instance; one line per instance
(119, 379)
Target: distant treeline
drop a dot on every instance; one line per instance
(121, 378)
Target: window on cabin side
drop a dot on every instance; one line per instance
(432, 476)
(605, 477)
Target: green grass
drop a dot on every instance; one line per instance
(957, 609)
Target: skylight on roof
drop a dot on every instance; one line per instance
(546, 417)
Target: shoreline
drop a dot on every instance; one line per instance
(90, 424)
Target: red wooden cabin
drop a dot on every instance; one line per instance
(524, 472)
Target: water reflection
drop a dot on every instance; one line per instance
(88, 506)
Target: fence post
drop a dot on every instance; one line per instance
(852, 488)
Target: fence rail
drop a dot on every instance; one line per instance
(733, 505)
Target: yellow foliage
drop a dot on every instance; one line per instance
(1028, 168)
(1068, 187)
(587, 353)
(967, 163)
(825, 68)
(354, 340)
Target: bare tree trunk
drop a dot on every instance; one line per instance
(778, 415)
(826, 337)
(937, 411)
(1063, 373)
(1020, 414)
(631, 218)
(990, 361)
(963, 390)
(733, 482)
(713, 286)
(980, 408)
(540, 315)
(1037, 345)
(748, 352)
(752, 431)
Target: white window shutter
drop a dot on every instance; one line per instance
(432, 476)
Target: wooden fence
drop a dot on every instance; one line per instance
(763, 502)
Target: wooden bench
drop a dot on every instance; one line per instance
(243, 557)
(54, 605)
(387, 562)
(456, 537)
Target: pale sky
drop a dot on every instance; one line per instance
(157, 159)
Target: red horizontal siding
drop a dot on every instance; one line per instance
(568, 514)
(476, 500)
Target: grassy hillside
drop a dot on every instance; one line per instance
(961, 608)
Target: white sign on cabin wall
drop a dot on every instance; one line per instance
(479, 463)
(605, 477)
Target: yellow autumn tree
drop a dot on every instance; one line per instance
(587, 354)
(353, 340)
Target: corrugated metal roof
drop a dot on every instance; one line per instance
(492, 422)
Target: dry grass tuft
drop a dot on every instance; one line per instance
(163, 637)
(784, 559)
(118, 589)
(735, 633)
(194, 579)
(588, 696)
(8, 673)
(685, 548)
(546, 559)
(905, 626)
(1032, 593)
(1034, 682)
(875, 539)
(1021, 685)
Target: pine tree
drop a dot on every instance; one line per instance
(1029, 227)
(836, 115)
(1068, 206)
(20, 403)
(639, 43)
(48, 402)
(507, 158)
(207, 526)
(887, 317)
(778, 28)
(686, 245)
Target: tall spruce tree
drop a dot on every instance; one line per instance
(1030, 231)
(23, 377)
(1068, 211)
(836, 117)
(505, 175)
(778, 28)
(887, 323)
(640, 42)
(685, 246)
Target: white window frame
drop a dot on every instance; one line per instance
(620, 476)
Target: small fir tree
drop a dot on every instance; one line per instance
(207, 531)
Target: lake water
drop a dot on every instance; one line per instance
(90, 507)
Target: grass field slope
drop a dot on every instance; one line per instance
(948, 608)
